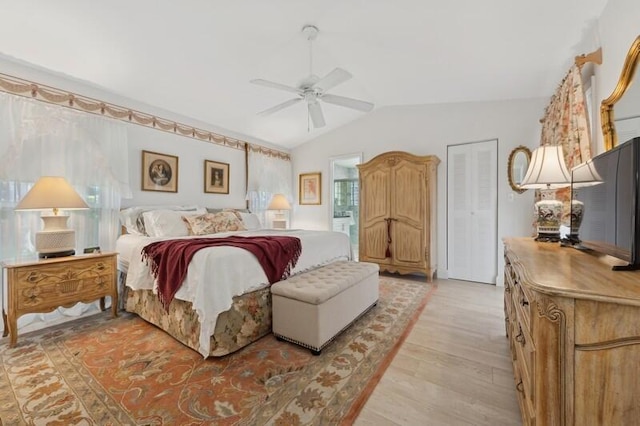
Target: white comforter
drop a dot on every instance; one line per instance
(217, 274)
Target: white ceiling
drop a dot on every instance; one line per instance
(196, 57)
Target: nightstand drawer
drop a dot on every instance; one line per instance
(61, 284)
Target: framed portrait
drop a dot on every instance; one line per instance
(159, 172)
(310, 188)
(216, 177)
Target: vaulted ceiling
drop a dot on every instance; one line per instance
(196, 57)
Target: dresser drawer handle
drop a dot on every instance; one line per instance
(520, 386)
(524, 302)
(520, 337)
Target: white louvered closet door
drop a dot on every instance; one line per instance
(472, 211)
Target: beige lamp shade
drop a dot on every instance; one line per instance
(279, 202)
(585, 174)
(53, 192)
(547, 169)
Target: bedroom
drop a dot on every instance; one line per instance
(511, 122)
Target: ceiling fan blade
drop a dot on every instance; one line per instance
(332, 79)
(315, 111)
(280, 106)
(275, 85)
(348, 102)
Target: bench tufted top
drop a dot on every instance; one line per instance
(318, 285)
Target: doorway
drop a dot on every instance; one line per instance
(472, 211)
(345, 197)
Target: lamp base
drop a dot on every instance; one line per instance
(548, 215)
(547, 238)
(56, 254)
(55, 242)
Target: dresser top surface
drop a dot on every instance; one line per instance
(552, 269)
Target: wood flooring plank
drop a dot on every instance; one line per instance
(454, 368)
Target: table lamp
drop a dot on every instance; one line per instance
(53, 192)
(547, 172)
(279, 202)
(582, 176)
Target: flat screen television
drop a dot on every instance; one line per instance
(607, 189)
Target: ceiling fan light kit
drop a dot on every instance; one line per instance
(314, 89)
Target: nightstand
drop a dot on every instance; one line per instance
(37, 286)
(279, 224)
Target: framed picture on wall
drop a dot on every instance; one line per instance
(310, 189)
(216, 177)
(159, 172)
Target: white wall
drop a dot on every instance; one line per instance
(191, 155)
(427, 130)
(191, 152)
(616, 29)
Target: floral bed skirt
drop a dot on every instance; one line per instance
(248, 319)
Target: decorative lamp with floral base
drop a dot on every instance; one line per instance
(547, 172)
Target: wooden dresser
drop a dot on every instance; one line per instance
(398, 212)
(574, 330)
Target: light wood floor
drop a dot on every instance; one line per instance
(454, 368)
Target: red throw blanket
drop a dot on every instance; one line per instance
(170, 259)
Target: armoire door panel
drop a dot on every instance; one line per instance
(407, 244)
(408, 194)
(375, 190)
(376, 237)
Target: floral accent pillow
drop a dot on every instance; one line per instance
(212, 223)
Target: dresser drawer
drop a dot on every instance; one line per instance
(527, 409)
(525, 353)
(522, 305)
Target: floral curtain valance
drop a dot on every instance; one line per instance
(566, 121)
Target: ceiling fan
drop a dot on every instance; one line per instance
(313, 88)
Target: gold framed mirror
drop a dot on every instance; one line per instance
(517, 166)
(628, 107)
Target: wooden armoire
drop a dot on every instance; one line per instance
(398, 213)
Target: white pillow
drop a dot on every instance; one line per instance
(251, 221)
(168, 223)
(133, 220)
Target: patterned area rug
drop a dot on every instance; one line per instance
(103, 371)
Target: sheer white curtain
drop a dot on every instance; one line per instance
(267, 175)
(39, 139)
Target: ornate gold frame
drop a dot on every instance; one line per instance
(527, 151)
(606, 108)
(167, 181)
(210, 184)
(310, 188)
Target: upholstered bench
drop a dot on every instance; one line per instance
(313, 307)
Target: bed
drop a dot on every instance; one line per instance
(224, 302)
